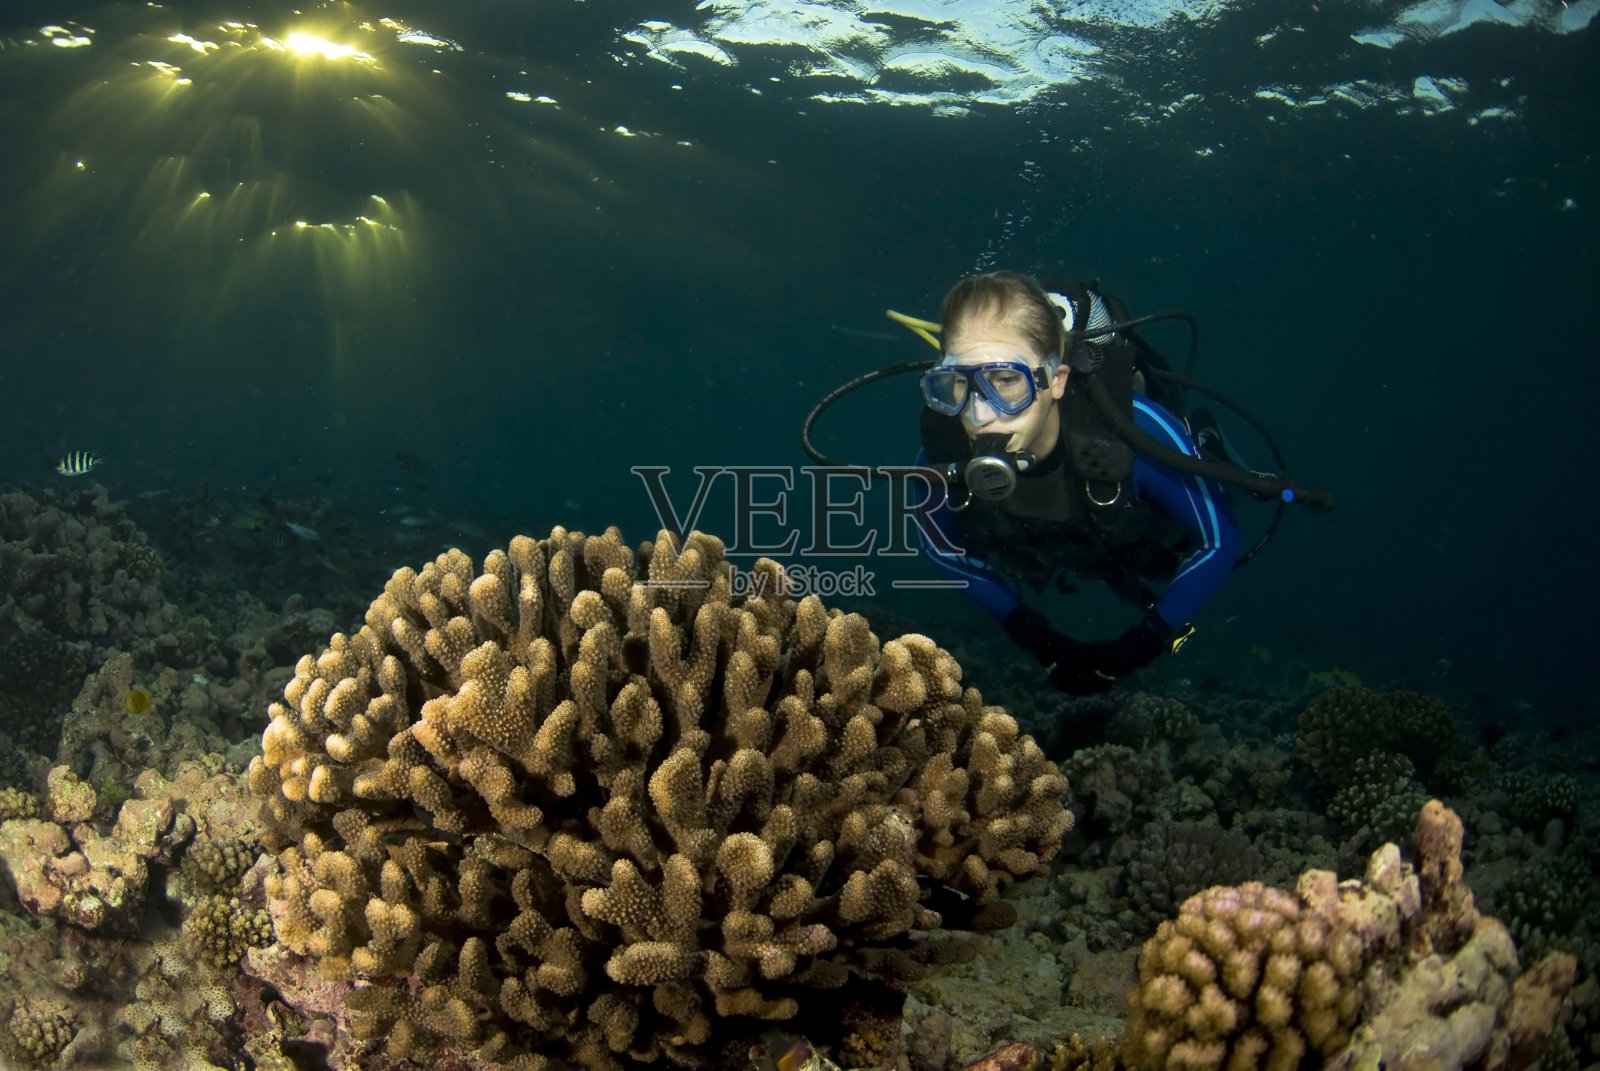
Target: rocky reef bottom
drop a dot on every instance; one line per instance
(1171, 933)
(1290, 870)
(1397, 968)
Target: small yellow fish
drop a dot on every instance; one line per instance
(1335, 676)
(136, 701)
(1261, 654)
(79, 462)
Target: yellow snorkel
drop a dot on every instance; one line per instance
(925, 328)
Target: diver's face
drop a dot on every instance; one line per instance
(985, 340)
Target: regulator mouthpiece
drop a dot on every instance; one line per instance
(992, 472)
(989, 478)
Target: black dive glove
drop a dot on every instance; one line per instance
(1033, 633)
(1086, 668)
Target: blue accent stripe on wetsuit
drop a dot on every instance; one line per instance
(986, 585)
(1199, 504)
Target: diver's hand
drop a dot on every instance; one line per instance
(1079, 671)
(1087, 668)
(1031, 631)
(1068, 662)
(1134, 649)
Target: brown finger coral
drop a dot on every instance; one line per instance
(581, 804)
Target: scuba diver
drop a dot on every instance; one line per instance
(1056, 430)
(1047, 497)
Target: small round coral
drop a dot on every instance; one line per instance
(39, 1036)
(215, 864)
(1175, 860)
(15, 803)
(221, 930)
(1345, 724)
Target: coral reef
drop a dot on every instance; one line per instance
(181, 1015)
(15, 803)
(78, 581)
(1378, 803)
(1076, 1054)
(1109, 784)
(95, 972)
(121, 945)
(1548, 905)
(101, 974)
(645, 807)
(229, 553)
(215, 865)
(221, 930)
(1345, 724)
(67, 868)
(1010, 986)
(1143, 717)
(111, 746)
(1174, 860)
(38, 1036)
(74, 565)
(1544, 799)
(1244, 977)
(38, 670)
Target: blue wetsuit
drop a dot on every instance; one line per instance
(1200, 506)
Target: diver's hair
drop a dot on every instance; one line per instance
(1012, 297)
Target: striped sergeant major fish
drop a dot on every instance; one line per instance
(79, 462)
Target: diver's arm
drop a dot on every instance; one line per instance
(1202, 507)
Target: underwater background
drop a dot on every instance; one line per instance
(652, 269)
(331, 288)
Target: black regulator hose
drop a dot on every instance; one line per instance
(839, 392)
(1267, 485)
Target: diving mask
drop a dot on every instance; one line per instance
(1008, 386)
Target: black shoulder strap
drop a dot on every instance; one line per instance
(1096, 451)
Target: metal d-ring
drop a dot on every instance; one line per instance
(1089, 492)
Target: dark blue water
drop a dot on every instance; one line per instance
(541, 302)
